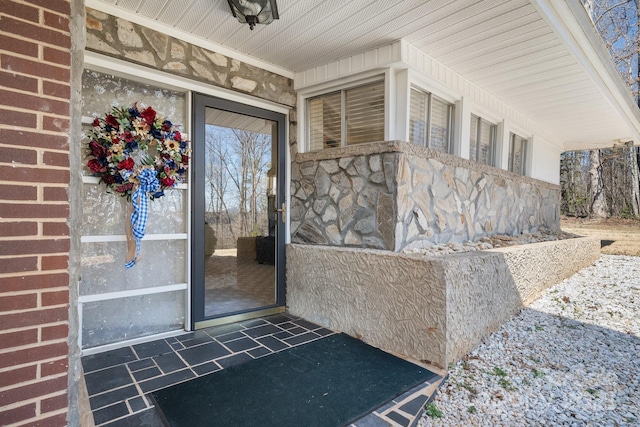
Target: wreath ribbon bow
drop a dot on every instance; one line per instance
(140, 204)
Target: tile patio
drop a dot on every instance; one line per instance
(118, 381)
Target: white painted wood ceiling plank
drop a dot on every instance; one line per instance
(152, 8)
(542, 44)
(474, 24)
(540, 64)
(508, 39)
(131, 5)
(174, 11)
(199, 11)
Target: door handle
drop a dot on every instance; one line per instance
(283, 211)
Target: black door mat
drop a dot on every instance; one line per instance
(332, 381)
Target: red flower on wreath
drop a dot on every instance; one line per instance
(148, 114)
(97, 150)
(112, 121)
(128, 136)
(125, 187)
(167, 182)
(127, 164)
(95, 166)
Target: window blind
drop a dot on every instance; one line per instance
(439, 136)
(473, 137)
(487, 142)
(517, 154)
(325, 126)
(418, 117)
(365, 113)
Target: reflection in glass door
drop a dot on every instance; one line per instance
(237, 236)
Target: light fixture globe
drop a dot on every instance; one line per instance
(254, 12)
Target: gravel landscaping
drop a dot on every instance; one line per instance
(571, 358)
(489, 242)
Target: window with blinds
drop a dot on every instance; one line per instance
(440, 125)
(347, 117)
(517, 154)
(430, 121)
(325, 124)
(365, 113)
(418, 117)
(482, 144)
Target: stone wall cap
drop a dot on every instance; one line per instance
(575, 240)
(467, 254)
(407, 148)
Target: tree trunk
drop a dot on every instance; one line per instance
(634, 178)
(636, 88)
(598, 201)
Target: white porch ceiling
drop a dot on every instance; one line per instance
(510, 48)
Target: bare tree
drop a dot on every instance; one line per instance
(574, 177)
(634, 178)
(613, 180)
(236, 165)
(618, 22)
(598, 201)
(217, 183)
(248, 165)
(601, 182)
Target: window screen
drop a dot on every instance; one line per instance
(517, 154)
(430, 121)
(473, 137)
(483, 140)
(359, 111)
(440, 125)
(365, 113)
(418, 117)
(325, 121)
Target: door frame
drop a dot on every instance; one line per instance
(196, 269)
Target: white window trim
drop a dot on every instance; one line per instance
(422, 82)
(452, 118)
(304, 143)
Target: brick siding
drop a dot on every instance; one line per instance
(35, 70)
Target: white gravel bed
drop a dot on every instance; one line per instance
(487, 242)
(571, 358)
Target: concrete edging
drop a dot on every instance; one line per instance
(427, 308)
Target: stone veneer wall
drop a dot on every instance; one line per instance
(427, 308)
(131, 42)
(128, 41)
(395, 195)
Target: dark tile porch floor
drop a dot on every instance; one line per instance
(118, 381)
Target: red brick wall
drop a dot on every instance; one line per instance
(34, 237)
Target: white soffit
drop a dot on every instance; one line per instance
(536, 56)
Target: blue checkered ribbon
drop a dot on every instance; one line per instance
(140, 202)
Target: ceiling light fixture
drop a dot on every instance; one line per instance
(254, 12)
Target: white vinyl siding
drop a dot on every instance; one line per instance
(346, 117)
(482, 143)
(430, 121)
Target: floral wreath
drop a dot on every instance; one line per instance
(115, 140)
(137, 154)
